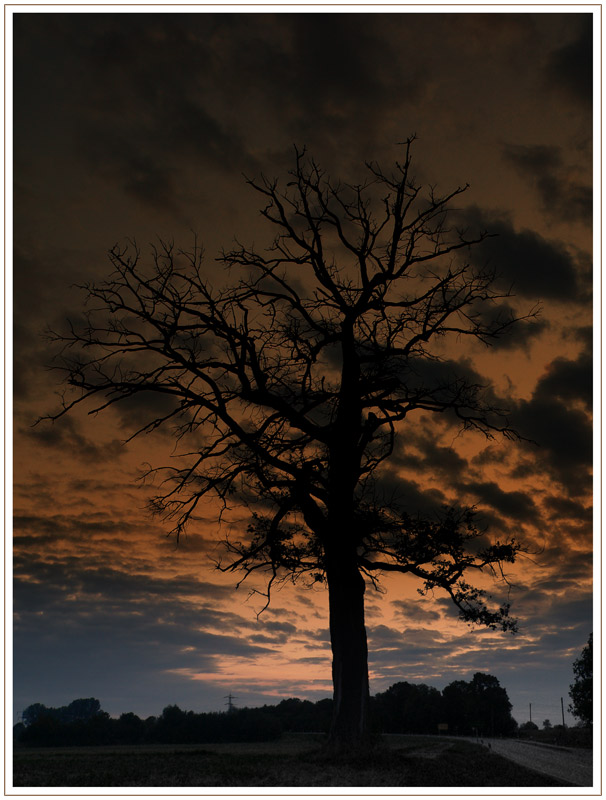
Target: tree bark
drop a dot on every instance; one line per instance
(350, 725)
(350, 728)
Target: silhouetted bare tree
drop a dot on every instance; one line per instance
(290, 383)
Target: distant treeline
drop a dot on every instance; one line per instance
(479, 706)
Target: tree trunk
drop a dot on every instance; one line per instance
(350, 726)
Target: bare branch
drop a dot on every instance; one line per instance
(288, 387)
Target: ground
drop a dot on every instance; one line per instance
(294, 760)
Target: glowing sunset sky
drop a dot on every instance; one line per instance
(141, 125)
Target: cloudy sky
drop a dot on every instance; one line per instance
(142, 126)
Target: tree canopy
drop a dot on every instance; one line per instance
(480, 706)
(287, 386)
(581, 691)
(81, 709)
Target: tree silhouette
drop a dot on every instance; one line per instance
(581, 691)
(408, 708)
(288, 386)
(81, 709)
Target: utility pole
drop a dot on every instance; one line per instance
(530, 707)
(562, 704)
(229, 704)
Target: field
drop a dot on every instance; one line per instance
(291, 761)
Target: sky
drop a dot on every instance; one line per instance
(142, 126)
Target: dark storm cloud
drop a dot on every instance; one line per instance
(473, 655)
(554, 420)
(82, 588)
(139, 173)
(583, 334)
(28, 361)
(335, 71)
(566, 508)
(521, 334)
(405, 646)
(493, 454)
(564, 437)
(408, 494)
(146, 159)
(38, 280)
(561, 197)
(420, 453)
(79, 613)
(554, 610)
(419, 450)
(520, 327)
(311, 639)
(531, 266)
(415, 611)
(138, 93)
(517, 505)
(68, 528)
(98, 584)
(564, 550)
(454, 382)
(568, 380)
(142, 408)
(147, 100)
(113, 622)
(87, 526)
(557, 610)
(544, 593)
(64, 436)
(569, 68)
(131, 91)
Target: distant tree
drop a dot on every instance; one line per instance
(84, 708)
(297, 715)
(288, 387)
(581, 691)
(458, 707)
(130, 729)
(172, 725)
(80, 722)
(408, 708)
(493, 705)
(18, 730)
(31, 713)
(529, 726)
(323, 714)
(547, 725)
(81, 709)
(99, 729)
(479, 706)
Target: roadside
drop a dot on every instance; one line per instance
(563, 763)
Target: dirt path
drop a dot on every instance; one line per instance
(563, 763)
